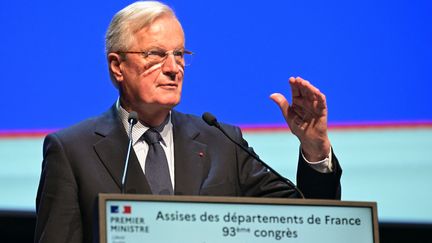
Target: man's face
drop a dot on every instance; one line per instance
(144, 84)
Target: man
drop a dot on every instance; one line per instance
(145, 51)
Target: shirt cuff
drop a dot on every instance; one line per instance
(323, 166)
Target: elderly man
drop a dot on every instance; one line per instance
(145, 48)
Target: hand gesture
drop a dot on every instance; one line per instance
(306, 117)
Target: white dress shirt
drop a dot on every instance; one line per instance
(141, 147)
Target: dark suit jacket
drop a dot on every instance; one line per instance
(88, 158)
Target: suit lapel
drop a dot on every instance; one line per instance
(190, 156)
(112, 150)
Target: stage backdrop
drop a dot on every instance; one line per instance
(371, 58)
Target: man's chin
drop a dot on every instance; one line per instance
(169, 103)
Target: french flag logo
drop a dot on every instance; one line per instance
(114, 209)
(126, 209)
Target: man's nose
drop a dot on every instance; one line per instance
(170, 66)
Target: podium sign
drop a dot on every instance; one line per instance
(126, 218)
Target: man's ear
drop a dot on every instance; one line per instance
(114, 64)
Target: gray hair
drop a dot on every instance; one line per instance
(131, 19)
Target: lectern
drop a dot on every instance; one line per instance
(131, 218)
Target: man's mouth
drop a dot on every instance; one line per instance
(168, 85)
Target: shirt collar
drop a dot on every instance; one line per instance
(139, 128)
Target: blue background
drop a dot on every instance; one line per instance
(371, 58)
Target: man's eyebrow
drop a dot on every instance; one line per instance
(180, 47)
(154, 48)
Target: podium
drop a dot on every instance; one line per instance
(130, 218)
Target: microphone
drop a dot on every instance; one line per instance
(132, 120)
(212, 121)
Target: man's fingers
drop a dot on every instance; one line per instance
(321, 107)
(306, 89)
(310, 98)
(301, 83)
(302, 87)
(294, 87)
(281, 101)
(307, 100)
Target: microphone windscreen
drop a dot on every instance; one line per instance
(209, 119)
(133, 117)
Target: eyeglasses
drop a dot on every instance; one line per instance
(182, 57)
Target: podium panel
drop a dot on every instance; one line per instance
(127, 218)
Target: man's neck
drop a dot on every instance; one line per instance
(150, 115)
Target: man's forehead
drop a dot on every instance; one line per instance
(164, 22)
(162, 31)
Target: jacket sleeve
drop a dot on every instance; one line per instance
(256, 180)
(319, 185)
(57, 205)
